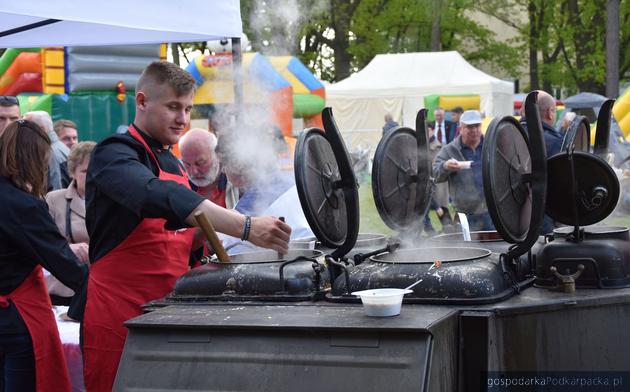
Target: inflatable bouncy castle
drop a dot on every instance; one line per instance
(93, 86)
(281, 84)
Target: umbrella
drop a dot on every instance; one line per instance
(39, 23)
(584, 100)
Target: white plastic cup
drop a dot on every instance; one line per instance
(382, 302)
(464, 164)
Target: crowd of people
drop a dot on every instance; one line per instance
(107, 227)
(455, 148)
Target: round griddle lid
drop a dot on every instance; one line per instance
(327, 187)
(514, 177)
(401, 176)
(578, 135)
(590, 199)
(602, 131)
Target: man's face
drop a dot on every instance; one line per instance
(8, 114)
(164, 115)
(471, 134)
(456, 117)
(553, 115)
(201, 164)
(69, 136)
(439, 116)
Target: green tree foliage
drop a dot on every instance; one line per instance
(338, 37)
(564, 41)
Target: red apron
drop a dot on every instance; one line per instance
(218, 197)
(32, 301)
(142, 268)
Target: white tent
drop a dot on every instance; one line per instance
(38, 23)
(397, 84)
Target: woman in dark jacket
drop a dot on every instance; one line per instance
(30, 348)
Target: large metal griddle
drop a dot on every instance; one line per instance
(453, 274)
(322, 345)
(584, 190)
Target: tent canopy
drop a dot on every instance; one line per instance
(41, 23)
(397, 83)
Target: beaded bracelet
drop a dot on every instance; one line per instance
(246, 228)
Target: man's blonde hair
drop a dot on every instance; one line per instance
(165, 73)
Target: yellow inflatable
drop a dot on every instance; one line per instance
(467, 102)
(621, 111)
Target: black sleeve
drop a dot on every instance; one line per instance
(117, 171)
(38, 239)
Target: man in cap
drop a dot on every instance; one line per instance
(459, 163)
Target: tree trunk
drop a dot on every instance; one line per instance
(533, 46)
(341, 11)
(612, 48)
(175, 52)
(436, 26)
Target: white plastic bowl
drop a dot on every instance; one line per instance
(382, 302)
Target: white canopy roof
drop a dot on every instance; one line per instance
(116, 22)
(397, 83)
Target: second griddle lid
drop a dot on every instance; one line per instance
(591, 198)
(578, 136)
(327, 187)
(514, 177)
(401, 176)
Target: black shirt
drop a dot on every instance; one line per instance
(28, 237)
(122, 189)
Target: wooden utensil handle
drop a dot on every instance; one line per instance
(211, 235)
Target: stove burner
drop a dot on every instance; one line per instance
(431, 255)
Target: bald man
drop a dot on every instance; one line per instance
(547, 110)
(197, 148)
(553, 138)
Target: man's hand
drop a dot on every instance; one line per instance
(451, 165)
(81, 250)
(270, 232)
(265, 231)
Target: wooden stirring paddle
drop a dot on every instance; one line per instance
(212, 237)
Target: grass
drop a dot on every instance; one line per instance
(371, 222)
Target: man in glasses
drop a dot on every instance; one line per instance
(9, 110)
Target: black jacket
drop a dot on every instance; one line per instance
(28, 237)
(122, 189)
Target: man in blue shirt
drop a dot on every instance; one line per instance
(459, 163)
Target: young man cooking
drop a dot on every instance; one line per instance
(139, 210)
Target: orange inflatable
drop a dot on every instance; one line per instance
(24, 63)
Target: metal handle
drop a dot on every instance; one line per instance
(212, 237)
(568, 281)
(280, 254)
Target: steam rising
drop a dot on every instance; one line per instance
(276, 23)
